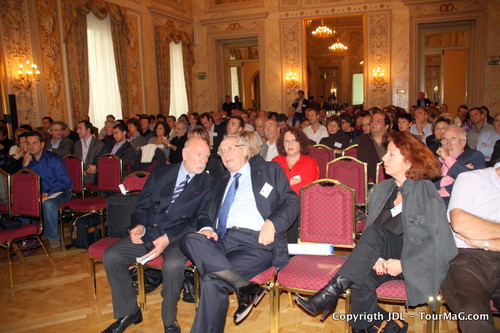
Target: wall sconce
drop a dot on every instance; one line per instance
(378, 76)
(291, 79)
(27, 75)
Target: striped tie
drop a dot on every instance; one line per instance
(178, 190)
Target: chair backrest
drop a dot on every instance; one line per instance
(351, 172)
(109, 173)
(322, 154)
(381, 176)
(327, 213)
(5, 208)
(135, 181)
(74, 165)
(351, 151)
(26, 194)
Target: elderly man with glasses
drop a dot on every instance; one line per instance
(455, 160)
(242, 233)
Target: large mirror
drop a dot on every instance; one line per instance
(333, 71)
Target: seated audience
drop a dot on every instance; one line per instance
(193, 123)
(160, 139)
(479, 126)
(120, 147)
(347, 124)
(336, 139)
(54, 180)
(58, 144)
(215, 132)
(214, 165)
(455, 160)
(269, 150)
(167, 209)
(135, 138)
(177, 143)
(17, 144)
(260, 129)
(88, 149)
(421, 128)
(145, 123)
(371, 146)
(404, 122)
(15, 162)
(5, 142)
(474, 275)
(241, 234)
(171, 120)
(246, 118)
(106, 134)
(235, 125)
(434, 141)
(300, 169)
(365, 127)
(486, 140)
(406, 238)
(315, 131)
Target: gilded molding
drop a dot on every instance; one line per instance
(51, 58)
(291, 54)
(134, 67)
(290, 4)
(344, 8)
(17, 46)
(445, 8)
(378, 34)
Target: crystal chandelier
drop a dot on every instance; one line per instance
(323, 31)
(338, 47)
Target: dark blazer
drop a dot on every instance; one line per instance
(338, 140)
(367, 153)
(219, 132)
(495, 157)
(423, 102)
(66, 147)
(95, 150)
(281, 206)
(126, 153)
(471, 156)
(305, 104)
(153, 208)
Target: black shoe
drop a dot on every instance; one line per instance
(173, 328)
(326, 299)
(122, 323)
(248, 297)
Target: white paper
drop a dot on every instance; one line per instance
(144, 259)
(311, 249)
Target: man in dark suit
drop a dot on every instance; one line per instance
(120, 146)
(58, 144)
(243, 233)
(215, 132)
(300, 105)
(422, 101)
(455, 160)
(88, 149)
(166, 211)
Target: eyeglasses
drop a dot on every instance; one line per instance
(230, 148)
(451, 140)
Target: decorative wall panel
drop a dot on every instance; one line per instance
(292, 55)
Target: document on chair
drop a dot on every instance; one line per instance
(311, 249)
(144, 259)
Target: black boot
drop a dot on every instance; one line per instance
(326, 299)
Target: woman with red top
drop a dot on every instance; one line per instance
(299, 168)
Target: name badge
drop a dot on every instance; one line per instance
(266, 190)
(396, 210)
(338, 144)
(215, 134)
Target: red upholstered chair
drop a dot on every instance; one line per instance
(5, 208)
(156, 264)
(326, 216)
(322, 154)
(351, 151)
(394, 292)
(109, 173)
(135, 181)
(381, 176)
(351, 172)
(74, 166)
(26, 202)
(96, 252)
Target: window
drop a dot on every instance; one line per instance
(103, 82)
(178, 95)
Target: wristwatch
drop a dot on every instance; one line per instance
(487, 245)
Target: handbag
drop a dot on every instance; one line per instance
(9, 223)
